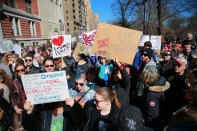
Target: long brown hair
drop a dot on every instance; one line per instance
(109, 94)
(5, 59)
(5, 77)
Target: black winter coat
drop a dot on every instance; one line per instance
(154, 108)
(40, 120)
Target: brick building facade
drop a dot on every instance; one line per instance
(21, 22)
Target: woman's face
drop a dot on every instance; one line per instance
(10, 58)
(20, 70)
(80, 84)
(49, 66)
(100, 103)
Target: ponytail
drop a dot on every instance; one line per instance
(117, 103)
(108, 94)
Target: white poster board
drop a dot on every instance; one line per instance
(88, 38)
(46, 87)
(61, 45)
(155, 40)
(17, 49)
(6, 46)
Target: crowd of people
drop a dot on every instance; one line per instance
(157, 93)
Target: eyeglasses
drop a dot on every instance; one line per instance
(96, 101)
(81, 84)
(28, 60)
(47, 66)
(21, 70)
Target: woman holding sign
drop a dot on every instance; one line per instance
(52, 116)
(17, 97)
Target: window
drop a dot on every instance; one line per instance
(16, 27)
(28, 5)
(66, 11)
(67, 24)
(67, 17)
(73, 11)
(74, 27)
(1, 33)
(10, 3)
(73, 5)
(32, 28)
(74, 17)
(68, 30)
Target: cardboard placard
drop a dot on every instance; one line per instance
(6, 46)
(80, 48)
(113, 41)
(155, 40)
(61, 45)
(46, 87)
(88, 38)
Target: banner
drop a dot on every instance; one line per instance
(155, 40)
(6, 46)
(88, 38)
(61, 45)
(46, 87)
(113, 41)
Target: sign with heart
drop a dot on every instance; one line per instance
(61, 45)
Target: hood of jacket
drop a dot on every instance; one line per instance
(160, 85)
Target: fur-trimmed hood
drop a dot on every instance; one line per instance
(160, 88)
(160, 85)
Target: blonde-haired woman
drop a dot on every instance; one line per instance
(154, 99)
(104, 114)
(5, 84)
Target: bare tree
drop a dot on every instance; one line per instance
(123, 9)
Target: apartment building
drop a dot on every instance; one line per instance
(52, 18)
(74, 17)
(20, 21)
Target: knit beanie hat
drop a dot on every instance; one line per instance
(148, 52)
(131, 119)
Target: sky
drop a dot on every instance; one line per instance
(103, 9)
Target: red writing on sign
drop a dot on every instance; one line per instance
(35, 91)
(54, 81)
(102, 52)
(103, 43)
(88, 40)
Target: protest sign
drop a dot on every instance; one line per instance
(88, 38)
(61, 45)
(46, 87)
(113, 41)
(80, 48)
(6, 46)
(17, 49)
(155, 40)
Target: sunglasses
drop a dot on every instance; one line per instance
(47, 66)
(96, 101)
(81, 84)
(28, 60)
(21, 70)
(177, 64)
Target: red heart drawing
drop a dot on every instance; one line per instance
(58, 41)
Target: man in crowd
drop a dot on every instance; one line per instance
(175, 95)
(30, 68)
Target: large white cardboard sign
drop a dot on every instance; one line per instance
(46, 87)
(6, 46)
(61, 45)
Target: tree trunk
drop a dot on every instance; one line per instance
(159, 16)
